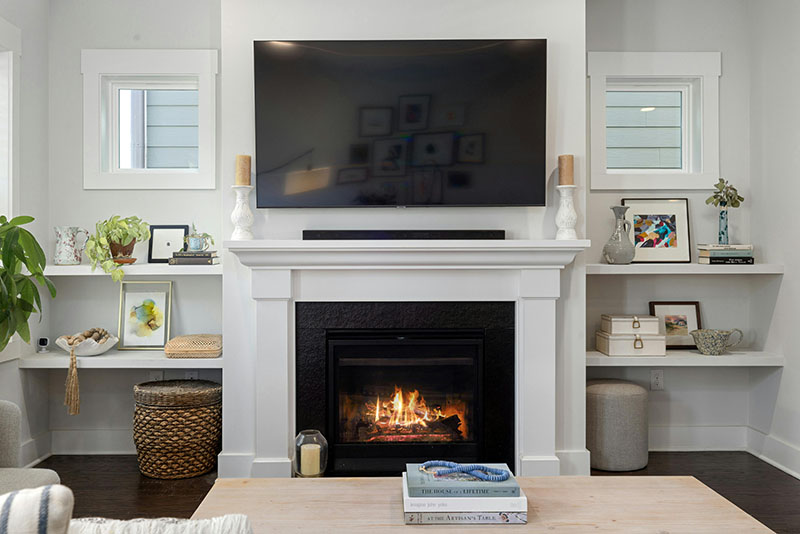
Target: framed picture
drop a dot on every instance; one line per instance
(450, 115)
(390, 157)
(427, 185)
(413, 112)
(359, 154)
(373, 122)
(145, 310)
(164, 240)
(659, 229)
(432, 149)
(470, 148)
(351, 175)
(678, 318)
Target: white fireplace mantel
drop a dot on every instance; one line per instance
(283, 272)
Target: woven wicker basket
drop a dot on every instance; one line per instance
(194, 346)
(177, 427)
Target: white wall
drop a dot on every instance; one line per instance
(775, 166)
(562, 22)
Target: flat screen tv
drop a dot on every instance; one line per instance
(400, 123)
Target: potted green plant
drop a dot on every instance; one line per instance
(198, 241)
(725, 196)
(19, 295)
(111, 246)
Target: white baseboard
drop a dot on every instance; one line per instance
(574, 462)
(698, 438)
(94, 441)
(36, 449)
(774, 451)
(234, 465)
(537, 466)
(271, 468)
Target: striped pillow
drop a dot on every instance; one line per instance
(44, 510)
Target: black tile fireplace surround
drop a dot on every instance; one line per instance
(394, 382)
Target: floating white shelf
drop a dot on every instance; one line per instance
(118, 359)
(144, 269)
(688, 358)
(682, 268)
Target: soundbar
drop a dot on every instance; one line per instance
(316, 235)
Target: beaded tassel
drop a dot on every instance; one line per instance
(72, 396)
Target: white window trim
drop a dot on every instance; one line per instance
(614, 67)
(11, 44)
(101, 70)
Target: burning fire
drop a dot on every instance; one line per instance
(405, 416)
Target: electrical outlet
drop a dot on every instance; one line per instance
(155, 375)
(191, 375)
(656, 380)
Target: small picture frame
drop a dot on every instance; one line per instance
(678, 319)
(413, 111)
(164, 240)
(470, 148)
(390, 157)
(427, 187)
(375, 122)
(450, 115)
(659, 229)
(145, 311)
(351, 175)
(433, 149)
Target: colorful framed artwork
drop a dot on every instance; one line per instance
(374, 122)
(413, 112)
(351, 175)
(678, 319)
(390, 157)
(164, 240)
(145, 310)
(659, 229)
(470, 148)
(432, 149)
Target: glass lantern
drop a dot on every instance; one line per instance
(310, 454)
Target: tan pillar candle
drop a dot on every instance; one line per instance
(242, 170)
(565, 170)
(310, 459)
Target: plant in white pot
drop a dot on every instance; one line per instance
(111, 246)
(19, 294)
(725, 196)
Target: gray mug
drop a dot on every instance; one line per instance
(714, 342)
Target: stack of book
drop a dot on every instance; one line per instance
(461, 499)
(189, 257)
(725, 254)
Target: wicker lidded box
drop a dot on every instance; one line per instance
(177, 427)
(194, 346)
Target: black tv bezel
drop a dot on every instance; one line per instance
(543, 41)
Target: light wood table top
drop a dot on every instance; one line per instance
(639, 504)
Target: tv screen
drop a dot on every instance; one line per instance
(400, 123)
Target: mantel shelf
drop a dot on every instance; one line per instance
(143, 269)
(682, 268)
(688, 358)
(117, 359)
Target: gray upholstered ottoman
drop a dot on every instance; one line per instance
(616, 425)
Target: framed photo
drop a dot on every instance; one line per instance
(450, 115)
(164, 240)
(390, 157)
(351, 175)
(470, 148)
(413, 112)
(678, 318)
(659, 229)
(433, 149)
(373, 122)
(359, 154)
(428, 186)
(145, 310)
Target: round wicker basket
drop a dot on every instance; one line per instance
(177, 427)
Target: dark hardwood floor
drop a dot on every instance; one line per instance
(763, 491)
(111, 486)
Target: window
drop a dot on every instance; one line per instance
(654, 120)
(149, 119)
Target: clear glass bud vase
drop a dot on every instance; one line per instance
(310, 454)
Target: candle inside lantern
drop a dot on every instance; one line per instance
(310, 459)
(242, 170)
(565, 170)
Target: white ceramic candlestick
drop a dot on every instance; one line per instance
(566, 216)
(242, 217)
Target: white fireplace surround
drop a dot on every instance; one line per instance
(283, 272)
